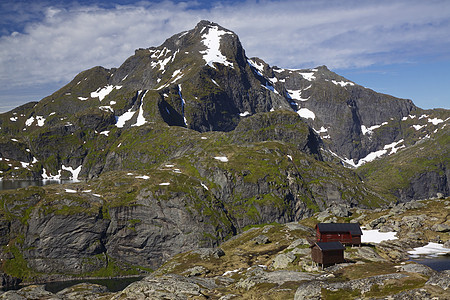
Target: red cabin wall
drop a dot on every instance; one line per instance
(344, 238)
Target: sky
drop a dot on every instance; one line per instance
(396, 47)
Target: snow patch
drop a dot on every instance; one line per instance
(83, 98)
(212, 42)
(121, 120)
(141, 119)
(321, 130)
(369, 130)
(393, 146)
(204, 186)
(13, 119)
(296, 95)
(221, 158)
(374, 236)
(308, 76)
(435, 121)
(342, 83)
(165, 183)
(246, 113)
(70, 191)
(106, 132)
(418, 127)
(106, 108)
(431, 249)
(183, 103)
(50, 176)
(259, 68)
(102, 92)
(75, 172)
(143, 177)
(306, 113)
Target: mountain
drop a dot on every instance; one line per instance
(186, 144)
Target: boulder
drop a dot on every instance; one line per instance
(309, 290)
(196, 271)
(417, 268)
(83, 291)
(206, 253)
(298, 242)
(440, 279)
(29, 292)
(368, 253)
(261, 240)
(172, 287)
(283, 260)
(441, 227)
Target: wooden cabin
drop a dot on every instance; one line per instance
(327, 253)
(346, 233)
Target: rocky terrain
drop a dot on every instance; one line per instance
(274, 262)
(187, 145)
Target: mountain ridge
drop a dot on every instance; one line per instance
(174, 152)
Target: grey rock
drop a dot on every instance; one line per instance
(417, 268)
(309, 290)
(415, 221)
(322, 216)
(206, 253)
(196, 271)
(447, 244)
(340, 211)
(440, 279)
(385, 228)
(257, 276)
(261, 240)
(297, 226)
(166, 287)
(283, 260)
(267, 228)
(29, 292)
(301, 251)
(441, 227)
(414, 294)
(378, 221)
(298, 242)
(414, 205)
(85, 291)
(369, 253)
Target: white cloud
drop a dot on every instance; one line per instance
(67, 40)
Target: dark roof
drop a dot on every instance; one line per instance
(327, 246)
(353, 228)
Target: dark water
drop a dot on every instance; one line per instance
(439, 263)
(113, 285)
(16, 184)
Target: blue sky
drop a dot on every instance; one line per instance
(398, 47)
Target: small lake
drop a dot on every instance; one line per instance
(437, 263)
(17, 184)
(113, 285)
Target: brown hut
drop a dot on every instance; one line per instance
(327, 253)
(346, 233)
